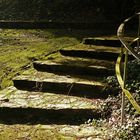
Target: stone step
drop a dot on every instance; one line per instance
(73, 68)
(98, 48)
(48, 108)
(103, 41)
(49, 82)
(55, 132)
(93, 54)
(77, 61)
(12, 97)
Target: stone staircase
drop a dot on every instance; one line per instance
(67, 88)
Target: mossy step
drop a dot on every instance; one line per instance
(55, 132)
(13, 98)
(102, 41)
(101, 55)
(77, 61)
(26, 107)
(97, 48)
(72, 68)
(49, 82)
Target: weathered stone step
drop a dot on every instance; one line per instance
(55, 132)
(101, 55)
(95, 48)
(48, 82)
(72, 68)
(48, 108)
(102, 41)
(77, 61)
(12, 97)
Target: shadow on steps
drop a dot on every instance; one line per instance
(102, 42)
(64, 68)
(70, 89)
(110, 56)
(32, 116)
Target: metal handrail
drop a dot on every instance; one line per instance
(128, 49)
(120, 34)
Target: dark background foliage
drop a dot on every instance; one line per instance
(68, 10)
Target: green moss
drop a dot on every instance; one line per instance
(31, 132)
(19, 48)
